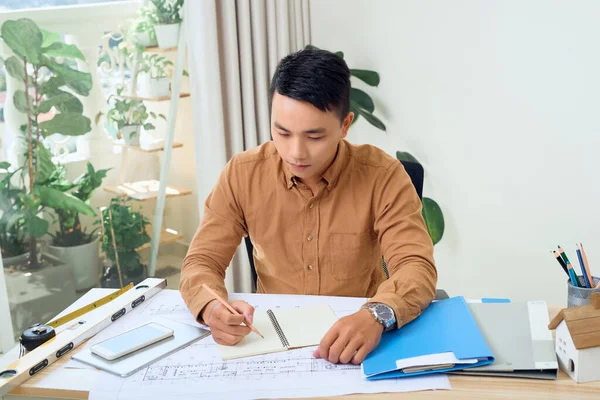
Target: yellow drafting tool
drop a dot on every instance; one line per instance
(46, 346)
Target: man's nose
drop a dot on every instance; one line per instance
(299, 152)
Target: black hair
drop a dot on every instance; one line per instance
(316, 76)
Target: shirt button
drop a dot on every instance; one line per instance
(309, 238)
(309, 267)
(311, 205)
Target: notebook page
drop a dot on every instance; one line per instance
(305, 326)
(253, 344)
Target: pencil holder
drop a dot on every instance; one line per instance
(580, 296)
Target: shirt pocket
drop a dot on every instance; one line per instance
(351, 255)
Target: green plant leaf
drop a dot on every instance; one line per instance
(434, 219)
(63, 101)
(4, 164)
(15, 68)
(405, 156)
(373, 120)
(45, 166)
(56, 199)
(20, 101)
(339, 54)
(49, 38)
(362, 99)
(371, 78)
(80, 82)
(60, 49)
(36, 226)
(69, 124)
(52, 85)
(24, 38)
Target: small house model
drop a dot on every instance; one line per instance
(578, 340)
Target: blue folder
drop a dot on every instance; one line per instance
(446, 326)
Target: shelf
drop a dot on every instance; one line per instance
(146, 190)
(163, 98)
(156, 49)
(166, 236)
(152, 148)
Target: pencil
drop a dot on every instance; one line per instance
(566, 260)
(574, 280)
(582, 266)
(233, 311)
(588, 271)
(561, 262)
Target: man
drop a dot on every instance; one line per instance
(320, 212)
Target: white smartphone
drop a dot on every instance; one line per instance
(132, 340)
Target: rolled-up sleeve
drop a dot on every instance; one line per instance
(406, 246)
(214, 243)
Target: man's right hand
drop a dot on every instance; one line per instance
(226, 328)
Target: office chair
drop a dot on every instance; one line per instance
(417, 175)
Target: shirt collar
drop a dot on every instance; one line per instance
(331, 174)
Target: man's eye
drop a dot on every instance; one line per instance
(283, 134)
(315, 138)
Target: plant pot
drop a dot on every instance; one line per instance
(85, 261)
(131, 135)
(154, 87)
(18, 262)
(143, 39)
(110, 279)
(167, 35)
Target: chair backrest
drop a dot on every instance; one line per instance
(415, 172)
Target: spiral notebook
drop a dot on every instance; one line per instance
(283, 329)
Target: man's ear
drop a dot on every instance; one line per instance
(346, 124)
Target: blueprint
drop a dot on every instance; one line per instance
(198, 371)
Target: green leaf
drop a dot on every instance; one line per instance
(45, 166)
(311, 47)
(371, 78)
(24, 38)
(148, 126)
(69, 124)
(405, 156)
(80, 82)
(339, 54)
(373, 120)
(49, 38)
(63, 201)
(36, 226)
(63, 101)
(15, 68)
(434, 219)
(60, 49)
(4, 165)
(52, 85)
(20, 101)
(362, 99)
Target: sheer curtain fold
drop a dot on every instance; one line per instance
(233, 49)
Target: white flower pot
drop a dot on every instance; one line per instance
(85, 261)
(154, 87)
(167, 35)
(144, 39)
(131, 135)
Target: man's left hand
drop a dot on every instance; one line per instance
(350, 339)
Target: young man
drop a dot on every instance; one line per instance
(320, 212)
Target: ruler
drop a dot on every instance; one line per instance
(72, 336)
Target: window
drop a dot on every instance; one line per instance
(24, 4)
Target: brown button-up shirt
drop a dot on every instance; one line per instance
(329, 243)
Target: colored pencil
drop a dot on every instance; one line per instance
(577, 282)
(587, 266)
(561, 262)
(582, 266)
(233, 311)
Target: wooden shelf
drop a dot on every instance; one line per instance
(156, 49)
(146, 190)
(152, 149)
(163, 98)
(166, 236)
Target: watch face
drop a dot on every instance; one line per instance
(384, 312)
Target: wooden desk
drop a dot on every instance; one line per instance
(55, 382)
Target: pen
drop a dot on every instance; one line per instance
(561, 262)
(587, 267)
(233, 311)
(576, 282)
(588, 284)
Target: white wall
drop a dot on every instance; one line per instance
(500, 102)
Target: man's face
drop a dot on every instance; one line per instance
(305, 137)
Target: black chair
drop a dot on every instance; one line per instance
(417, 175)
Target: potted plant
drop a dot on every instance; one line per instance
(71, 243)
(12, 230)
(124, 232)
(167, 14)
(142, 28)
(155, 81)
(35, 63)
(129, 115)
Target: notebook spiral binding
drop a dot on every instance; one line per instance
(284, 341)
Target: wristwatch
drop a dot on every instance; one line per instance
(383, 314)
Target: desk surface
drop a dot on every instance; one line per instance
(57, 382)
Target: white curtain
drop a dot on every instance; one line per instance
(233, 49)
